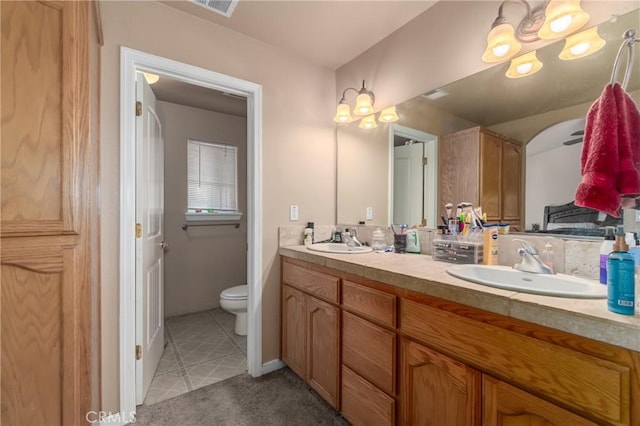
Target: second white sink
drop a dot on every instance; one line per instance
(560, 285)
(339, 248)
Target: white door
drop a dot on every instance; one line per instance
(408, 184)
(150, 243)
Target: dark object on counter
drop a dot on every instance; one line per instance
(400, 243)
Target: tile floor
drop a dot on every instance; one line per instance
(201, 349)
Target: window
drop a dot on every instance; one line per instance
(212, 177)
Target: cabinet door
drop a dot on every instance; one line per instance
(294, 350)
(437, 390)
(458, 167)
(511, 181)
(490, 175)
(506, 405)
(323, 341)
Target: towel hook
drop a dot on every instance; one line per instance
(629, 38)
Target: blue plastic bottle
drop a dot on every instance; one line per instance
(620, 277)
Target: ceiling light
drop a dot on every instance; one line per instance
(368, 122)
(562, 17)
(501, 43)
(524, 65)
(364, 104)
(582, 44)
(151, 78)
(388, 115)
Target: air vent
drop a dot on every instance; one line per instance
(223, 7)
(435, 94)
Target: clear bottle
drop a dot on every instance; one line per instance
(621, 277)
(379, 241)
(548, 254)
(308, 234)
(605, 248)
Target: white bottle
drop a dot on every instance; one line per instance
(605, 248)
(308, 234)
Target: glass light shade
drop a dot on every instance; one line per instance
(151, 78)
(363, 105)
(368, 122)
(524, 65)
(582, 44)
(562, 17)
(388, 115)
(343, 115)
(501, 44)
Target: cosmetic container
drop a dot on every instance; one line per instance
(621, 277)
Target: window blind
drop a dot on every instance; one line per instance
(211, 176)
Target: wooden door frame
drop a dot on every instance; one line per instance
(130, 62)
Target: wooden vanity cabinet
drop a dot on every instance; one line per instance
(310, 341)
(484, 168)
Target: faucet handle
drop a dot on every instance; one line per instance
(527, 246)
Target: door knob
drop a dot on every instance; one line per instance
(163, 245)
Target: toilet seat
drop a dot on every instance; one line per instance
(238, 292)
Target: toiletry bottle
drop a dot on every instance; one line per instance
(620, 277)
(547, 254)
(308, 234)
(605, 248)
(490, 245)
(635, 252)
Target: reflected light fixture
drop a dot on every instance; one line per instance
(582, 44)
(524, 65)
(562, 17)
(151, 78)
(368, 122)
(388, 115)
(364, 104)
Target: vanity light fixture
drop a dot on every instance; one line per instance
(562, 17)
(151, 78)
(524, 65)
(388, 115)
(368, 122)
(364, 104)
(582, 44)
(554, 20)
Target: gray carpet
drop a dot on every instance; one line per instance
(279, 398)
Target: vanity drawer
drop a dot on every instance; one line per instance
(321, 285)
(587, 384)
(372, 303)
(363, 403)
(370, 351)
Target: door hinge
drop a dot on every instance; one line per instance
(424, 161)
(138, 352)
(138, 230)
(138, 108)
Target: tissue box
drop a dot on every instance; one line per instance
(454, 249)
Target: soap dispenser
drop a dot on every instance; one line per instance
(620, 277)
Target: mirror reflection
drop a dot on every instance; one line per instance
(544, 112)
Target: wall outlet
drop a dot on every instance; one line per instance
(369, 213)
(293, 213)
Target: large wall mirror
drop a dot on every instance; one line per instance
(545, 111)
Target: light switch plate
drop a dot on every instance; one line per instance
(369, 213)
(637, 215)
(293, 212)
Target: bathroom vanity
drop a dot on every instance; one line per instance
(393, 339)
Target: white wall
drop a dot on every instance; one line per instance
(202, 261)
(298, 144)
(558, 169)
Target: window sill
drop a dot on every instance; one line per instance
(215, 216)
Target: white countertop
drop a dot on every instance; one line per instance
(420, 273)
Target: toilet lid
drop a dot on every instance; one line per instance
(235, 293)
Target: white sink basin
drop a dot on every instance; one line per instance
(551, 285)
(338, 248)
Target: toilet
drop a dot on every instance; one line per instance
(234, 300)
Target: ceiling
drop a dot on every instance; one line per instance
(328, 33)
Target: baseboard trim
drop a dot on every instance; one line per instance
(271, 366)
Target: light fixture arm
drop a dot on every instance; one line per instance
(501, 19)
(363, 90)
(528, 27)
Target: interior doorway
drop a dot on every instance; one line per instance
(133, 62)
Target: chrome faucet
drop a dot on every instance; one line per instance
(350, 238)
(530, 260)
